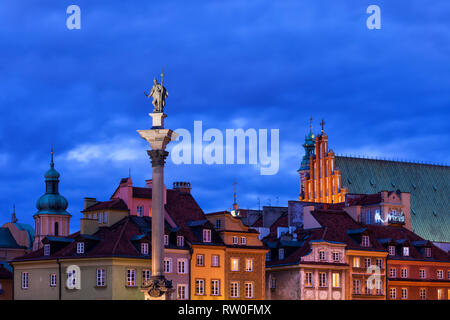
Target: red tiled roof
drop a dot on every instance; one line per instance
(365, 199)
(144, 193)
(115, 204)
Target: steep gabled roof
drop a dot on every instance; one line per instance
(429, 186)
(115, 204)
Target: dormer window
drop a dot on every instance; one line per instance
(206, 235)
(218, 224)
(243, 241)
(140, 211)
(166, 240)
(365, 242)
(322, 255)
(428, 252)
(80, 247)
(46, 249)
(180, 241)
(405, 251)
(144, 248)
(391, 250)
(280, 254)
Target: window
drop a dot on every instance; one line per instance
(180, 241)
(140, 211)
(167, 265)
(218, 224)
(440, 294)
(200, 260)
(336, 280)
(243, 241)
(100, 217)
(53, 280)
(391, 250)
(182, 266)
(393, 293)
(404, 293)
(46, 249)
(427, 252)
(423, 294)
(336, 256)
(405, 251)
(379, 287)
(356, 262)
(101, 275)
(368, 217)
(380, 263)
(280, 254)
(234, 289)
(24, 280)
(404, 273)
(248, 265)
(144, 248)
(131, 277)
(393, 273)
(215, 260)
(234, 264)
(448, 274)
(308, 279)
(206, 235)
(268, 256)
(56, 229)
(80, 247)
(273, 283)
(146, 274)
(105, 217)
(235, 240)
(322, 279)
(322, 256)
(356, 286)
(71, 278)
(166, 240)
(181, 292)
(367, 289)
(249, 289)
(440, 274)
(367, 262)
(215, 287)
(422, 274)
(199, 287)
(365, 241)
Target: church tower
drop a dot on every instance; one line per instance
(52, 219)
(309, 147)
(321, 182)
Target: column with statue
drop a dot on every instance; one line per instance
(158, 287)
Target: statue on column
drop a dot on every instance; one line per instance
(159, 95)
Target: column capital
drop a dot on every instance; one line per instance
(158, 157)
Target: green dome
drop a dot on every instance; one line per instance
(51, 174)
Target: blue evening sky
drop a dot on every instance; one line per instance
(231, 64)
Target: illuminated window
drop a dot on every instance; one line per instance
(131, 277)
(393, 273)
(393, 293)
(101, 277)
(168, 265)
(215, 260)
(215, 287)
(391, 250)
(181, 292)
(200, 260)
(322, 279)
(440, 274)
(336, 280)
(24, 280)
(249, 290)
(365, 241)
(405, 251)
(146, 274)
(356, 286)
(234, 289)
(234, 264)
(248, 265)
(180, 241)
(46, 249)
(144, 248)
(356, 262)
(423, 294)
(181, 266)
(206, 235)
(422, 274)
(440, 294)
(53, 280)
(308, 279)
(200, 287)
(404, 273)
(404, 293)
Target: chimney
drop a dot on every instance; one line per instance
(182, 187)
(88, 226)
(148, 183)
(88, 202)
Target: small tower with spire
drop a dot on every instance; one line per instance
(309, 146)
(13, 215)
(51, 219)
(235, 211)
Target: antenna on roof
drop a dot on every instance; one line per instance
(259, 204)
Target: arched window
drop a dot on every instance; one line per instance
(56, 229)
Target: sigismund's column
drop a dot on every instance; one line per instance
(158, 137)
